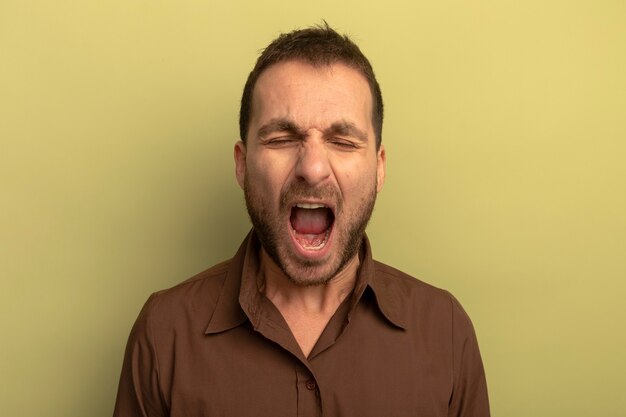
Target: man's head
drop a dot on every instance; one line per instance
(311, 163)
(316, 46)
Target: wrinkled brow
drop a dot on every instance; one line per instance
(278, 125)
(344, 128)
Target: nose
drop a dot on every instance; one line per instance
(313, 165)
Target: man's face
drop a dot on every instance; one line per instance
(310, 169)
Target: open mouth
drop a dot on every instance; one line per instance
(311, 224)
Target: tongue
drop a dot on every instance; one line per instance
(310, 221)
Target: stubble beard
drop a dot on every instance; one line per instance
(272, 232)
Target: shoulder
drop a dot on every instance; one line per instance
(418, 300)
(189, 303)
(405, 286)
(441, 331)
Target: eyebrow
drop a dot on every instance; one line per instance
(278, 125)
(345, 128)
(342, 128)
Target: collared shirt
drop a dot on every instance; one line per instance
(214, 345)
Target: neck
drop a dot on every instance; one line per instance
(314, 299)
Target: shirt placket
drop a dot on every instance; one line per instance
(308, 392)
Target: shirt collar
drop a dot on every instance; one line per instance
(387, 295)
(240, 297)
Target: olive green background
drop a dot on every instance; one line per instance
(505, 133)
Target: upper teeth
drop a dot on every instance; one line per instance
(309, 205)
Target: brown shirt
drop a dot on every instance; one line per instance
(214, 345)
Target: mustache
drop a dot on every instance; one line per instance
(300, 190)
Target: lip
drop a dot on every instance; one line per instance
(312, 254)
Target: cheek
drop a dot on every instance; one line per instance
(268, 177)
(355, 178)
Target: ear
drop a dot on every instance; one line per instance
(381, 165)
(240, 162)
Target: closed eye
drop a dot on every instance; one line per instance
(281, 141)
(343, 144)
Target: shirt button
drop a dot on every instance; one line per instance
(311, 385)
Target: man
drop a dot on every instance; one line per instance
(302, 321)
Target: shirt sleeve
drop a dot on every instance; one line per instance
(139, 394)
(469, 395)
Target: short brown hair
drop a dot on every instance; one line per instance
(317, 45)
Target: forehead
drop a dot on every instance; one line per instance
(313, 96)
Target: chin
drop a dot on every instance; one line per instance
(308, 273)
(309, 276)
